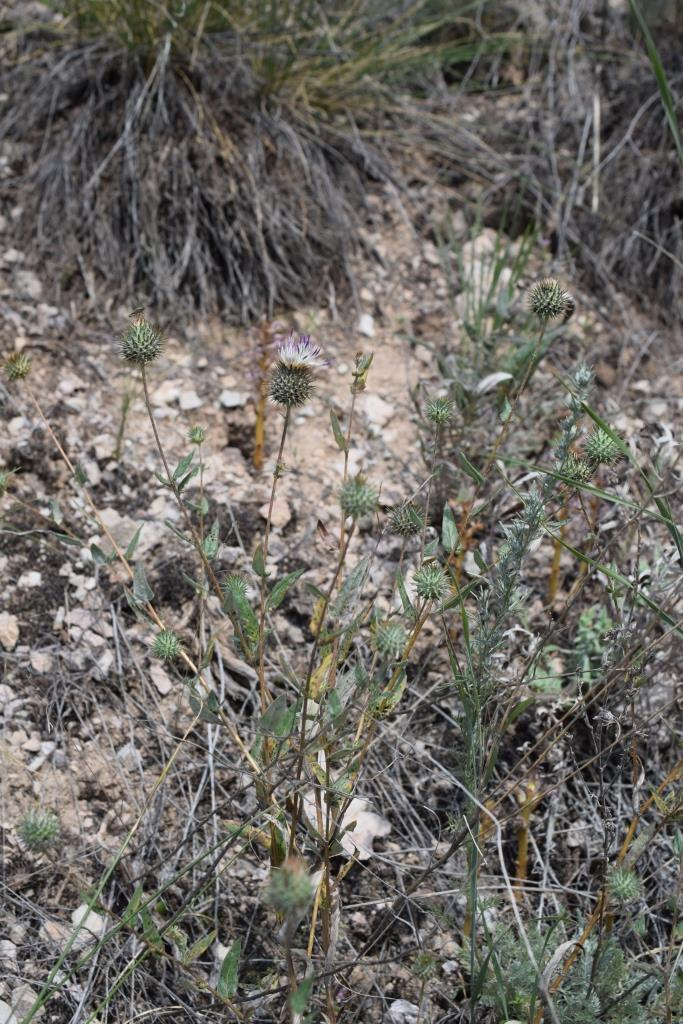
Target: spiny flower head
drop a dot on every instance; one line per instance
(406, 519)
(196, 435)
(548, 301)
(39, 830)
(291, 382)
(357, 497)
(602, 449)
(18, 366)
(389, 638)
(623, 885)
(167, 645)
(439, 411)
(431, 582)
(290, 890)
(576, 468)
(141, 342)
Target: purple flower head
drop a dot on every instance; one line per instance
(299, 355)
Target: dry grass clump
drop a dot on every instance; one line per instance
(216, 156)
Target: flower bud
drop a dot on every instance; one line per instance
(141, 343)
(167, 645)
(358, 498)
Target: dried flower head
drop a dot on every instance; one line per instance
(39, 830)
(576, 468)
(167, 645)
(141, 342)
(196, 435)
(18, 366)
(602, 449)
(357, 497)
(439, 411)
(548, 301)
(290, 890)
(291, 382)
(389, 638)
(406, 519)
(431, 582)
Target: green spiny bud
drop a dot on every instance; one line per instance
(439, 411)
(167, 645)
(602, 449)
(576, 468)
(424, 966)
(623, 885)
(291, 386)
(406, 519)
(358, 498)
(431, 582)
(196, 435)
(18, 366)
(141, 343)
(235, 586)
(389, 638)
(290, 890)
(548, 301)
(39, 830)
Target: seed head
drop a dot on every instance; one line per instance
(290, 890)
(196, 435)
(167, 645)
(602, 449)
(576, 468)
(406, 519)
(141, 343)
(431, 582)
(39, 830)
(623, 885)
(357, 497)
(548, 301)
(18, 366)
(439, 411)
(389, 638)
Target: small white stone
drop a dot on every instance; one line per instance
(281, 512)
(9, 631)
(366, 325)
(161, 679)
(190, 400)
(233, 399)
(377, 410)
(30, 579)
(41, 662)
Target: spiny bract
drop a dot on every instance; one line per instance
(167, 645)
(431, 582)
(358, 498)
(141, 343)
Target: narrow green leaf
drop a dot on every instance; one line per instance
(182, 484)
(337, 431)
(258, 563)
(450, 538)
(199, 947)
(403, 594)
(131, 911)
(183, 466)
(142, 591)
(206, 706)
(518, 710)
(277, 594)
(212, 542)
(229, 975)
(79, 475)
(130, 550)
(668, 101)
(278, 719)
(471, 471)
(150, 932)
(56, 512)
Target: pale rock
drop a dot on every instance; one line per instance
(18, 738)
(9, 631)
(366, 295)
(32, 744)
(27, 285)
(129, 756)
(402, 1012)
(233, 399)
(92, 927)
(80, 617)
(5, 1012)
(161, 679)
(366, 325)
(8, 953)
(281, 512)
(431, 255)
(23, 999)
(377, 410)
(190, 400)
(30, 579)
(166, 393)
(12, 256)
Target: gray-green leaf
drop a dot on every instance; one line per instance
(280, 589)
(142, 591)
(228, 978)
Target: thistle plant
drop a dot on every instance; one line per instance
(167, 645)
(17, 366)
(39, 830)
